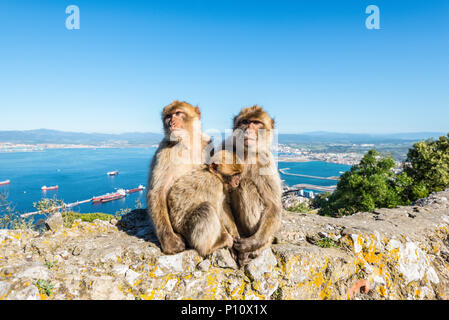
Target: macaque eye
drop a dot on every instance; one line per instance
(245, 122)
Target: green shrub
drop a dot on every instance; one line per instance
(427, 164)
(366, 186)
(10, 218)
(69, 217)
(300, 207)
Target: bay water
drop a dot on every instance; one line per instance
(82, 174)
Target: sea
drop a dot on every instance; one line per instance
(82, 173)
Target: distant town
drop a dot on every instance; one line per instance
(342, 148)
(283, 152)
(13, 147)
(294, 154)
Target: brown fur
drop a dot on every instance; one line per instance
(175, 157)
(256, 203)
(199, 209)
(254, 112)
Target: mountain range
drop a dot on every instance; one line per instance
(46, 136)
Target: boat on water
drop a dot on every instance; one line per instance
(121, 193)
(139, 188)
(45, 188)
(113, 173)
(2, 183)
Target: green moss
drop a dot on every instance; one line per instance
(44, 287)
(327, 243)
(300, 207)
(69, 217)
(277, 295)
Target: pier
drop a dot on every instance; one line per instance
(71, 205)
(314, 187)
(283, 171)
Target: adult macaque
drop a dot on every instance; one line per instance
(256, 202)
(198, 204)
(179, 153)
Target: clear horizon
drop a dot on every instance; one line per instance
(298, 133)
(313, 65)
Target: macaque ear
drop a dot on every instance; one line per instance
(198, 112)
(272, 123)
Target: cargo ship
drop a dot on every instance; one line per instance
(121, 193)
(45, 188)
(113, 173)
(139, 188)
(4, 182)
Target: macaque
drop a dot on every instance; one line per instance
(180, 152)
(256, 202)
(198, 204)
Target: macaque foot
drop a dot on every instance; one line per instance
(172, 244)
(246, 244)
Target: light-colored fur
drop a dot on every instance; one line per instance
(173, 159)
(256, 203)
(199, 210)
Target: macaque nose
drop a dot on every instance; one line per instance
(175, 123)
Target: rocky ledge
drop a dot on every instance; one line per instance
(400, 253)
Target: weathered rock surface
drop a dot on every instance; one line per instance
(400, 253)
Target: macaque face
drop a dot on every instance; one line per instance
(250, 129)
(229, 173)
(175, 122)
(234, 180)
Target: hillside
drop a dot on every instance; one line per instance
(400, 253)
(42, 136)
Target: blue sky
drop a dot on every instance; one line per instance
(312, 64)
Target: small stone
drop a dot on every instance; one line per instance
(34, 272)
(379, 280)
(29, 293)
(120, 269)
(265, 287)
(55, 221)
(168, 264)
(76, 251)
(265, 262)
(106, 288)
(131, 277)
(64, 254)
(323, 234)
(170, 284)
(431, 275)
(222, 258)
(204, 265)
(4, 288)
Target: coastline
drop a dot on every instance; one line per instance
(300, 160)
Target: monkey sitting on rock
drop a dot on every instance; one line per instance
(198, 204)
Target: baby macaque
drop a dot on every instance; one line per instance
(198, 204)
